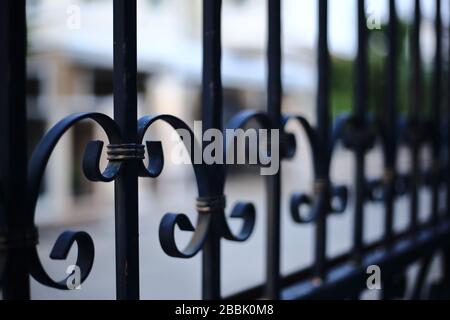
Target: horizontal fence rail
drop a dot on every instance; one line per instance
(359, 132)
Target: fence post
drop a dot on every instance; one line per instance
(436, 119)
(360, 109)
(416, 102)
(212, 119)
(323, 137)
(274, 100)
(390, 119)
(389, 126)
(16, 236)
(126, 184)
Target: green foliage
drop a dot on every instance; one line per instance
(342, 78)
(341, 85)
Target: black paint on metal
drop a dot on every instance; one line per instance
(327, 278)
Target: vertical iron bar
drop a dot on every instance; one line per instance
(212, 119)
(390, 123)
(126, 184)
(446, 254)
(448, 128)
(446, 271)
(13, 143)
(274, 101)
(390, 130)
(436, 116)
(323, 135)
(360, 106)
(360, 113)
(414, 113)
(416, 61)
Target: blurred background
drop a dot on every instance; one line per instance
(70, 69)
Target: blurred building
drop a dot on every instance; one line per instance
(70, 70)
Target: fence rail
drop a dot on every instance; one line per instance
(341, 277)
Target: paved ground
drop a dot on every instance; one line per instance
(243, 264)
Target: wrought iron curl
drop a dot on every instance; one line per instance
(207, 204)
(361, 134)
(155, 167)
(326, 197)
(391, 181)
(415, 134)
(433, 134)
(37, 166)
(243, 210)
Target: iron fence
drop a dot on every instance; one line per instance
(327, 278)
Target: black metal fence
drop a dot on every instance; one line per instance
(341, 277)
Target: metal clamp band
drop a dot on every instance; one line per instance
(321, 186)
(388, 176)
(126, 152)
(211, 204)
(19, 239)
